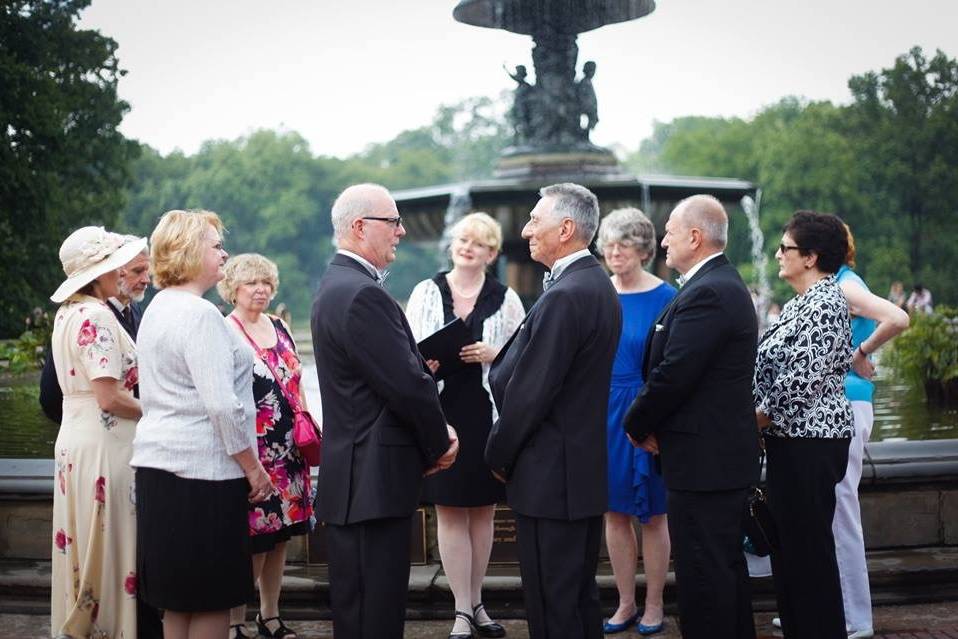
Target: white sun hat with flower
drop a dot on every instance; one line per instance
(90, 252)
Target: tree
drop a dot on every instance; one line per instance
(904, 121)
(63, 163)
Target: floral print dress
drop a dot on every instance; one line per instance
(289, 512)
(93, 590)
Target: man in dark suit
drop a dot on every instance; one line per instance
(383, 424)
(133, 282)
(551, 385)
(696, 413)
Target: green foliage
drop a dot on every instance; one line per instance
(927, 353)
(274, 194)
(887, 163)
(63, 164)
(27, 352)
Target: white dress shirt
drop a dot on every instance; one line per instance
(685, 277)
(561, 263)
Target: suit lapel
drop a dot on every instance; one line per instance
(708, 267)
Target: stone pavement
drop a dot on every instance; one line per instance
(918, 621)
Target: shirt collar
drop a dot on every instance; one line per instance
(689, 274)
(117, 304)
(375, 272)
(563, 262)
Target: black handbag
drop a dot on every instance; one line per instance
(761, 535)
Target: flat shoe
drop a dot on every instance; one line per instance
(650, 630)
(777, 622)
(610, 628)
(491, 629)
(281, 631)
(468, 633)
(861, 634)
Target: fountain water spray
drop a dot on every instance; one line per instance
(759, 259)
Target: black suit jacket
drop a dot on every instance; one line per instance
(382, 422)
(697, 399)
(51, 395)
(550, 383)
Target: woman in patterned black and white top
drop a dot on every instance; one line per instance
(807, 420)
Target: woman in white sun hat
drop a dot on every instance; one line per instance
(93, 590)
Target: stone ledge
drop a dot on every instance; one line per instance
(897, 576)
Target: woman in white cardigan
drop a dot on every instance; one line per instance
(195, 447)
(465, 495)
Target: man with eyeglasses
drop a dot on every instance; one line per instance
(384, 428)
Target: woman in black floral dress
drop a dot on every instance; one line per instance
(250, 283)
(800, 401)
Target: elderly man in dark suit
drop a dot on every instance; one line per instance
(383, 424)
(551, 385)
(696, 412)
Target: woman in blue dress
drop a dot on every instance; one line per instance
(636, 489)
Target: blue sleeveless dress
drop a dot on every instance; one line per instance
(635, 488)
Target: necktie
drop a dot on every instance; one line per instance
(547, 280)
(680, 280)
(128, 316)
(381, 277)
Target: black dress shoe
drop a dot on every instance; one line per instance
(469, 620)
(489, 629)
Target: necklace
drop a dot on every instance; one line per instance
(460, 293)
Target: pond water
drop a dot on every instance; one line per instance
(900, 412)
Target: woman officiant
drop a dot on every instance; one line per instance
(466, 494)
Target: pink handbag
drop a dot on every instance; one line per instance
(306, 433)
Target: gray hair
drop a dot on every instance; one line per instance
(576, 202)
(133, 238)
(353, 203)
(707, 214)
(629, 226)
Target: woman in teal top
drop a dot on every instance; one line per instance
(875, 320)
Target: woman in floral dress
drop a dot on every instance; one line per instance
(93, 590)
(250, 284)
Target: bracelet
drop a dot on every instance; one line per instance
(862, 351)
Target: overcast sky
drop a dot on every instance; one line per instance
(349, 73)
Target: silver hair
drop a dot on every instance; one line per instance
(706, 213)
(629, 226)
(133, 238)
(353, 203)
(576, 202)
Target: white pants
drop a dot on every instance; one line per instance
(847, 527)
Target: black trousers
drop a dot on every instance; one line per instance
(801, 477)
(711, 576)
(369, 577)
(558, 560)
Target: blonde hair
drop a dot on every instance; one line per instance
(850, 253)
(243, 268)
(482, 227)
(176, 246)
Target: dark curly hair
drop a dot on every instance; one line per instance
(823, 234)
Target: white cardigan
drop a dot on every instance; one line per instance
(425, 314)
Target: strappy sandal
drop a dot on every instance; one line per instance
(489, 629)
(239, 631)
(469, 620)
(279, 633)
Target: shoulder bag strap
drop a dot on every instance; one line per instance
(293, 402)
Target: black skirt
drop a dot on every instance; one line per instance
(193, 548)
(469, 482)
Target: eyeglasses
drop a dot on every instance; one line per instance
(784, 248)
(396, 222)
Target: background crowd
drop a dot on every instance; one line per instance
(616, 397)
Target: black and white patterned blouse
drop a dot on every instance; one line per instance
(801, 364)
